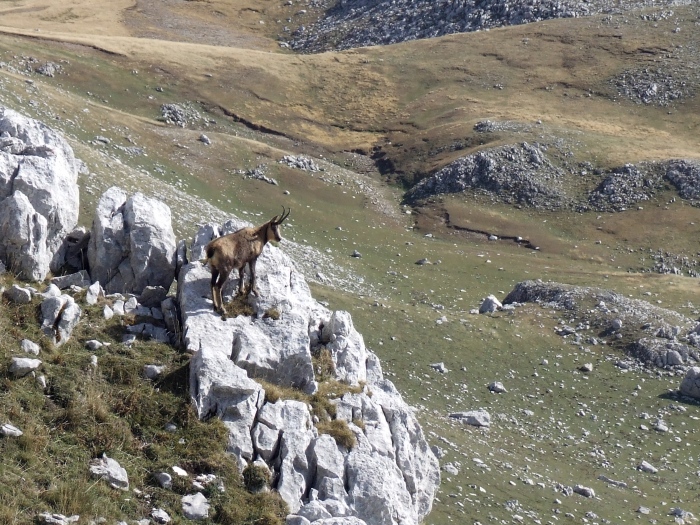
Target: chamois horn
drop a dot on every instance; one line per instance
(282, 218)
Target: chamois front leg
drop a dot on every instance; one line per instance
(214, 276)
(253, 286)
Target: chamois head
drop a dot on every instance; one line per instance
(273, 230)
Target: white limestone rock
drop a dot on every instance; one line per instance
(691, 383)
(111, 471)
(8, 430)
(160, 516)
(132, 244)
(30, 347)
(195, 506)
(18, 294)
(347, 348)
(22, 366)
(220, 388)
(42, 168)
(477, 418)
(94, 293)
(227, 353)
(276, 351)
(153, 371)
(24, 238)
(60, 316)
(490, 305)
(57, 519)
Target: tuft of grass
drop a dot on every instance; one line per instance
(339, 430)
(256, 478)
(238, 306)
(272, 313)
(323, 364)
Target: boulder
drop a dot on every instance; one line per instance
(18, 294)
(80, 279)
(490, 305)
(477, 418)
(111, 471)
(691, 383)
(41, 167)
(60, 315)
(132, 244)
(24, 238)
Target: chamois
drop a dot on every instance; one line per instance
(235, 250)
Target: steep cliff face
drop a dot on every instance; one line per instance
(386, 474)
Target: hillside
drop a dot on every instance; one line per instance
(599, 114)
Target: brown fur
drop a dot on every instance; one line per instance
(235, 250)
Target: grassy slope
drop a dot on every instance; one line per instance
(421, 98)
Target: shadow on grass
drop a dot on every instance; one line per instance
(677, 397)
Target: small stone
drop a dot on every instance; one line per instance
(584, 491)
(48, 518)
(439, 367)
(8, 430)
(588, 367)
(111, 471)
(497, 387)
(93, 344)
(152, 371)
(41, 381)
(204, 139)
(164, 479)
(647, 467)
(30, 347)
(172, 428)
(356, 254)
(160, 516)
(180, 472)
(107, 312)
(490, 305)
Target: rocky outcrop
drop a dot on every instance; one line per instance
(669, 339)
(359, 23)
(132, 245)
(390, 476)
(516, 174)
(38, 195)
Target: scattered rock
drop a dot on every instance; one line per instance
(30, 347)
(18, 294)
(160, 516)
(153, 371)
(497, 387)
(647, 467)
(195, 506)
(477, 418)
(22, 366)
(490, 305)
(57, 519)
(8, 430)
(111, 471)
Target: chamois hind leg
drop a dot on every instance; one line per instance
(253, 286)
(241, 280)
(223, 277)
(214, 276)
